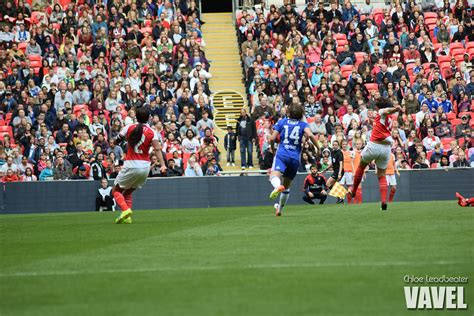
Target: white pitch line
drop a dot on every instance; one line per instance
(215, 268)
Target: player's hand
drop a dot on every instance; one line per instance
(163, 169)
(323, 192)
(339, 177)
(311, 195)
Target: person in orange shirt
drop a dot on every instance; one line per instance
(391, 179)
(348, 163)
(357, 154)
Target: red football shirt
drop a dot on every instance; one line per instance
(139, 155)
(380, 130)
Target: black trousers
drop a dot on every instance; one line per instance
(321, 197)
(109, 202)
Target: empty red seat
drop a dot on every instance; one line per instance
(456, 45)
(430, 15)
(457, 52)
(372, 86)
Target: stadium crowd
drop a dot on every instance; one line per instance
(337, 61)
(74, 72)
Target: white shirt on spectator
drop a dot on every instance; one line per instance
(347, 118)
(190, 145)
(430, 142)
(5, 168)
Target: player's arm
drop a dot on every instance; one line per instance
(157, 148)
(389, 111)
(273, 138)
(122, 136)
(309, 134)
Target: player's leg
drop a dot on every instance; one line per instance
(392, 183)
(278, 167)
(308, 197)
(288, 176)
(348, 182)
(119, 197)
(127, 194)
(322, 198)
(124, 217)
(367, 155)
(382, 162)
(358, 177)
(284, 196)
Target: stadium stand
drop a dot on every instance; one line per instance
(419, 57)
(73, 73)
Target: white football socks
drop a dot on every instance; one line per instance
(275, 181)
(284, 196)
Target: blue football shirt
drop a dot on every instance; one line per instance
(291, 134)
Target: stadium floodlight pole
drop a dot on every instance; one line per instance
(234, 11)
(200, 9)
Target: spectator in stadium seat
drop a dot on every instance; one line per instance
(444, 129)
(97, 168)
(346, 57)
(29, 176)
(47, 172)
(461, 161)
(193, 169)
(430, 141)
(173, 170)
(8, 165)
(10, 176)
(104, 197)
(318, 126)
(62, 169)
(420, 163)
(463, 129)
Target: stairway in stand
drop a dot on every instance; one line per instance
(226, 83)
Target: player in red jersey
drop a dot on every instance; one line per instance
(378, 149)
(462, 201)
(140, 139)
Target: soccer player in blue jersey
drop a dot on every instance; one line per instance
(287, 158)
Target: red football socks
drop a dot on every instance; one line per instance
(392, 194)
(383, 189)
(358, 178)
(118, 196)
(128, 199)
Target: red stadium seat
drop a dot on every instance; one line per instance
(430, 15)
(442, 58)
(359, 57)
(469, 45)
(446, 142)
(6, 130)
(456, 45)
(431, 21)
(340, 36)
(22, 46)
(457, 51)
(372, 87)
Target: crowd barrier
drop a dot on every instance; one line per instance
(223, 191)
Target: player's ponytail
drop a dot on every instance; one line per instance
(137, 133)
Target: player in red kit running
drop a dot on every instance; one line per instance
(140, 139)
(378, 149)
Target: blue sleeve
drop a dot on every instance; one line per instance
(279, 126)
(303, 125)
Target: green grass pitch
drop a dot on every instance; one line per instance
(329, 260)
